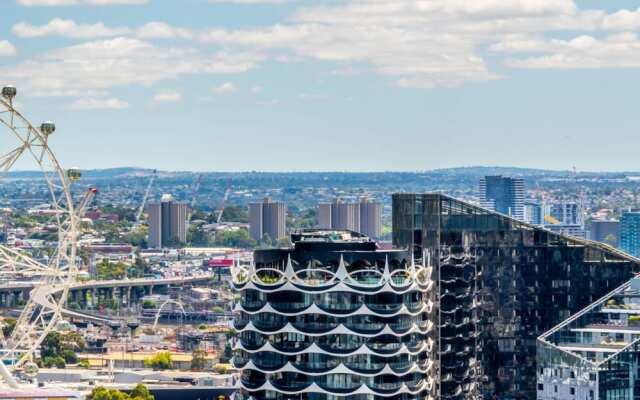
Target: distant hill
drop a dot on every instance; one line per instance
(462, 172)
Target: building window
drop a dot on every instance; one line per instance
(572, 391)
(555, 388)
(540, 386)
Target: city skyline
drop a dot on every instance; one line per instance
(537, 72)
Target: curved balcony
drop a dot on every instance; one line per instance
(270, 361)
(252, 379)
(340, 383)
(341, 344)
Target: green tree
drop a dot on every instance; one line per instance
(198, 360)
(57, 361)
(234, 214)
(8, 324)
(161, 360)
(140, 392)
(226, 354)
(198, 237)
(107, 270)
(235, 238)
(148, 304)
(61, 348)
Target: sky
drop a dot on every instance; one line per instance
(331, 85)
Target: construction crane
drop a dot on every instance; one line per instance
(550, 219)
(194, 194)
(144, 199)
(224, 200)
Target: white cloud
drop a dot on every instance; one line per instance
(97, 66)
(90, 103)
(66, 28)
(225, 88)
(168, 97)
(256, 89)
(162, 30)
(434, 43)
(6, 48)
(56, 3)
(582, 52)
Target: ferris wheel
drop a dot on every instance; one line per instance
(42, 311)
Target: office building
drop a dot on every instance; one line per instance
(502, 194)
(333, 317)
(595, 355)
(533, 213)
(267, 219)
(630, 232)
(499, 283)
(606, 231)
(167, 222)
(364, 217)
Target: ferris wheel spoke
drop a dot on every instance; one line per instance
(7, 161)
(13, 262)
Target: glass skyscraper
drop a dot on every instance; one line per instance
(630, 232)
(331, 317)
(499, 283)
(503, 194)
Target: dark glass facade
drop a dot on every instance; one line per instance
(498, 284)
(333, 316)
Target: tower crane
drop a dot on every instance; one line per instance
(144, 199)
(224, 200)
(194, 194)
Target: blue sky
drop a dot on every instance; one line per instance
(341, 85)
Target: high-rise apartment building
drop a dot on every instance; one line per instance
(594, 355)
(364, 217)
(503, 194)
(267, 218)
(533, 213)
(566, 212)
(630, 232)
(370, 218)
(167, 222)
(333, 317)
(499, 283)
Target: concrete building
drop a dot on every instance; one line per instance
(499, 284)
(630, 232)
(503, 194)
(606, 231)
(167, 222)
(371, 218)
(364, 217)
(267, 218)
